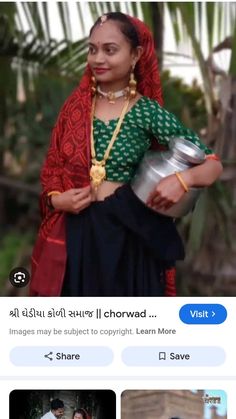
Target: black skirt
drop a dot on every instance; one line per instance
(119, 247)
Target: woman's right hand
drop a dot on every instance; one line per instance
(73, 200)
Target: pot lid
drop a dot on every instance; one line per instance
(187, 151)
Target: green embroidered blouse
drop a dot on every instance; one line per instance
(145, 119)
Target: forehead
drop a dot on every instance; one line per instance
(108, 32)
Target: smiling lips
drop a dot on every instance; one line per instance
(100, 70)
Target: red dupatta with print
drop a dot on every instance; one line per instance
(67, 166)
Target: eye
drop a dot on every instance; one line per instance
(111, 50)
(91, 49)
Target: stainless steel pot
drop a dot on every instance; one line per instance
(155, 166)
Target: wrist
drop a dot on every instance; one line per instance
(51, 202)
(187, 177)
(55, 199)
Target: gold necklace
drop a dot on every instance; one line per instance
(98, 170)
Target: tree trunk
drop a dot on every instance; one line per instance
(212, 271)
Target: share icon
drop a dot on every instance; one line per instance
(49, 356)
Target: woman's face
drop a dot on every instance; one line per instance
(78, 416)
(110, 54)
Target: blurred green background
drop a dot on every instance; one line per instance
(38, 72)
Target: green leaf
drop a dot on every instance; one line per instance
(134, 8)
(173, 10)
(210, 15)
(147, 13)
(46, 17)
(33, 10)
(94, 11)
(63, 18)
(28, 17)
(81, 16)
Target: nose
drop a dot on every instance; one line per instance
(99, 57)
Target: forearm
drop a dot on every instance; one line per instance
(204, 174)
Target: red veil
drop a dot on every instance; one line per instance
(68, 162)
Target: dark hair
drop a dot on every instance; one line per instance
(56, 404)
(125, 24)
(81, 412)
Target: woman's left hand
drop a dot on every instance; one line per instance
(167, 193)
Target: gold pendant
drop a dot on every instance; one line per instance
(97, 174)
(111, 97)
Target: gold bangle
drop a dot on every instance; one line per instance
(186, 188)
(54, 193)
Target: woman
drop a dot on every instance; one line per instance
(96, 238)
(80, 414)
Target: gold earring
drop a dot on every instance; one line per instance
(93, 85)
(132, 84)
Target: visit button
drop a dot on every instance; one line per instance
(203, 313)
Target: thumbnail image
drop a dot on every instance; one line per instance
(62, 404)
(173, 404)
(111, 182)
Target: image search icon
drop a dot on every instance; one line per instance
(19, 277)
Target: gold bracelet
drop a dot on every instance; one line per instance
(54, 193)
(186, 188)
